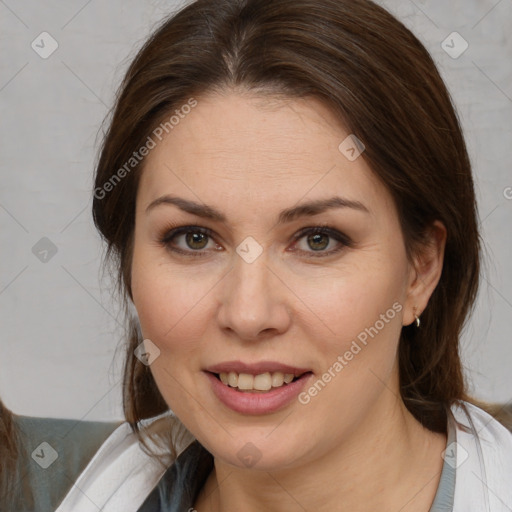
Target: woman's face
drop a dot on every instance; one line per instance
(302, 270)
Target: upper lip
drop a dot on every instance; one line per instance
(256, 368)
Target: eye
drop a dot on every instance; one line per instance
(317, 239)
(197, 241)
(189, 240)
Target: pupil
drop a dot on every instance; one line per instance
(194, 238)
(315, 241)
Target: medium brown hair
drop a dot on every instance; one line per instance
(9, 444)
(15, 491)
(381, 82)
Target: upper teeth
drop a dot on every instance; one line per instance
(261, 382)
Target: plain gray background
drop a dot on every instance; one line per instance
(59, 325)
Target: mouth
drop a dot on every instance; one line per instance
(257, 389)
(265, 378)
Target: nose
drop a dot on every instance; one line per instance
(253, 301)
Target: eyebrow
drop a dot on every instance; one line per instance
(305, 209)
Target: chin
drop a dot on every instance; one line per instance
(261, 453)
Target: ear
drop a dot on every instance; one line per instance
(425, 272)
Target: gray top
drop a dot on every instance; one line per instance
(52, 454)
(443, 501)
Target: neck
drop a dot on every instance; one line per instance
(390, 462)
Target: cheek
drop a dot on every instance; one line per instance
(170, 303)
(171, 310)
(355, 301)
(359, 313)
(360, 309)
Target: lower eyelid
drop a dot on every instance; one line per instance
(323, 253)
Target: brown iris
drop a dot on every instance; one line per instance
(196, 238)
(318, 241)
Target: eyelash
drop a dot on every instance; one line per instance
(172, 232)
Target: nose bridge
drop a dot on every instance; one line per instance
(252, 278)
(251, 302)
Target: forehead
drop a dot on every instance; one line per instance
(246, 146)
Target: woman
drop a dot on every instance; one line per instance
(286, 196)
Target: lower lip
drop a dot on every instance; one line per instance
(257, 403)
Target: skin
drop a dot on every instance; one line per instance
(354, 446)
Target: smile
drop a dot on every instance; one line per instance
(256, 392)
